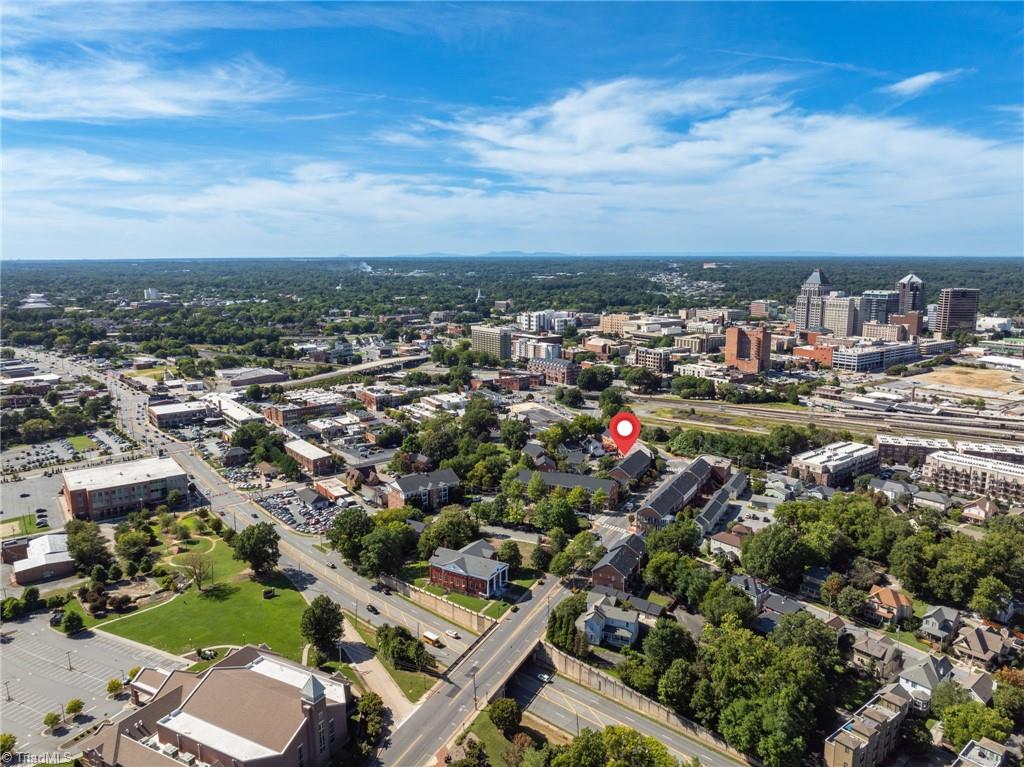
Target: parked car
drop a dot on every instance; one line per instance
(545, 678)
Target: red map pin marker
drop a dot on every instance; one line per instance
(625, 428)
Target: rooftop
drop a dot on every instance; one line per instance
(129, 473)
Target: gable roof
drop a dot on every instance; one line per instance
(929, 672)
(634, 465)
(569, 480)
(466, 564)
(422, 483)
(890, 597)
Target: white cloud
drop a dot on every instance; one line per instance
(918, 84)
(627, 165)
(103, 87)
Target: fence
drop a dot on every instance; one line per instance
(448, 610)
(610, 687)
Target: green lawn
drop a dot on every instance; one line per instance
(205, 664)
(412, 683)
(26, 525)
(230, 611)
(194, 546)
(494, 743)
(415, 572)
(659, 599)
(853, 690)
(907, 637)
(81, 443)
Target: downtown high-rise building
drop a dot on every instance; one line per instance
(841, 315)
(957, 310)
(877, 305)
(911, 293)
(810, 304)
(492, 340)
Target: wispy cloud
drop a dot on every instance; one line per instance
(918, 84)
(99, 87)
(629, 164)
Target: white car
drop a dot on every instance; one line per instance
(453, 634)
(545, 678)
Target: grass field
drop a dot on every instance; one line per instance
(81, 443)
(156, 372)
(412, 683)
(25, 525)
(494, 743)
(971, 378)
(230, 611)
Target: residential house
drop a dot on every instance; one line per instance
(712, 512)
(979, 512)
(921, 679)
(978, 684)
(632, 468)
(926, 499)
(470, 570)
(649, 611)
(425, 491)
(620, 567)
(312, 498)
(887, 605)
(879, 657)
(982, 645)
(775, 607)
(234, 456)
(752, 589)
(606, 622)
(541, 460)
(893, 489)
(251, 708)
(940, 624)
(729, 544)
(813, 580)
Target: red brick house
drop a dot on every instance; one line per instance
(472, 569)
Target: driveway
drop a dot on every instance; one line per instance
(37, 678)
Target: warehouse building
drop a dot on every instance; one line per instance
(113, 491)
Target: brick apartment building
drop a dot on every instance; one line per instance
(313, 460)
(431, 490)
(555, 371)
(748, 349)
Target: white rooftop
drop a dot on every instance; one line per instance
(306, 449)
(44, 550)
(836, 452)
(201, 731)
(130, 473)
(178, 407)
(296, 677)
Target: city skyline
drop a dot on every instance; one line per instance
(312, 130)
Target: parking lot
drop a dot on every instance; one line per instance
(29, 496)
(297, 514)
(58, 452)
(38, 680)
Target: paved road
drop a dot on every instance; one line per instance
(362, 367)
(571, 708)
(37, 679)
(471, 683)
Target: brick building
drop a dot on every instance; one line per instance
(748, 349)
(472, 569)
(313, 460)
(115, 490)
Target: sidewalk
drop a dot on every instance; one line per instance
(378, 680)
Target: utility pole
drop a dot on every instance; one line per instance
(474, 690)
(69, 660)
(7, 690)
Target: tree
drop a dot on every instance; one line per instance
(258, 547)
(514, 433)
(676, 684)
(505, 714)
(174, 498)
(254, 392)
(7, 745)
(611, 401)
(666, 642)
(660, 573)
(114, 687)
(508, 552)
(990, 597)
(595, 378)
(347, 531)
(851, 601)
(50, 720)
(199, 568)
(322, 623)
(628, 748)
(384, 549)
(561, 628)
(946, 695)
(777, 555)
(182, 532)
(74, 707)
(1008, 700)
(86, 545)
(586, 750)
(682, 537)
(722, 599)
(974, 721)
(831, 588)
(536, 489)
(540, 558)
(802, 629)
(453, 528)
(692, 581)
(72, 623)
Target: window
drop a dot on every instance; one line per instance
(320, 734)
(330, 729)
(302, 761)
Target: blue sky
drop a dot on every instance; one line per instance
(293, 129)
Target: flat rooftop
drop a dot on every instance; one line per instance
(306, 449)
(130, 473)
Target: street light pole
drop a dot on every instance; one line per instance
(69, 660)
